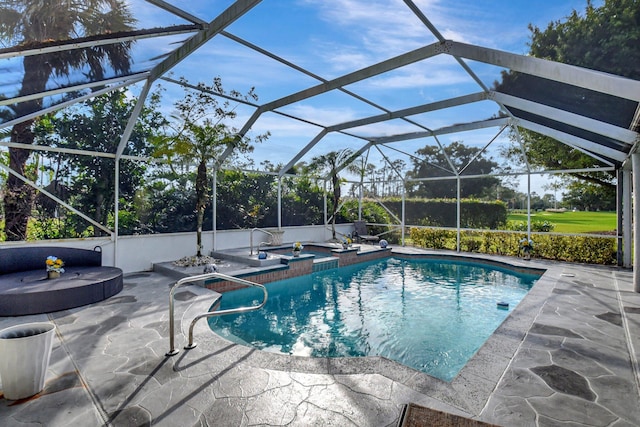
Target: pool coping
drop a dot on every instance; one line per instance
(471, 388)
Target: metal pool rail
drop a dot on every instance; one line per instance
(251, 238)
(215, 312)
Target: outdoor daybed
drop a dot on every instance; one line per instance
(25, 288)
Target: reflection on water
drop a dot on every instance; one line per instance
(426, 314)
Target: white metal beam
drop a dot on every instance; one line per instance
(177, 11)
(627, 218)
(226, 18)
(482, 150)
(620, 134)
(419, 109)
(65, 104)
(564, 73)
(36, 147)
(519, 173)
(523, 152)
(364, 73)
(353, 156)
(635, 160)
(104, 40)
(302, 152)
(130, 77)
(422, 17)
(57, 200)
(133, 118)
(373, 70)
(589, 147)
(442, 131)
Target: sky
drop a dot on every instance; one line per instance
(334, 37)
(331, 38)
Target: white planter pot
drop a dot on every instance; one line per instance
(24, 358)
(276, 237)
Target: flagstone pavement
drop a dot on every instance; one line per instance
(566, 356)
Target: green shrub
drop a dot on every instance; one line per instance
(470, 242)
(128, 223)
(582, 249)
(433, 238)
(56, 228)
(585, 249)
(491, 244)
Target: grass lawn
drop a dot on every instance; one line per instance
(573, 222)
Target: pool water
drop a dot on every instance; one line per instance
(429, 315)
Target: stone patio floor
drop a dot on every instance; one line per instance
(566, 356)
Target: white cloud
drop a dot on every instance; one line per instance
(376, 28)
(347, 61)
(395, 127)
(238, 66)
(322, 115)
(415, 78)
(280, 126)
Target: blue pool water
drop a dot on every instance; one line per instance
(430, 315)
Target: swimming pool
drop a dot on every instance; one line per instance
(427, 314)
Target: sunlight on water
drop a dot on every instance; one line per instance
(429, 315)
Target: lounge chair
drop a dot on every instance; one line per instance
(361, 234)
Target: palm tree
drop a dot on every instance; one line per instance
(200, 136)
(199, 143)
(329, 165)
(28, 24)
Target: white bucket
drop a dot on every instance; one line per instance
(24, 358)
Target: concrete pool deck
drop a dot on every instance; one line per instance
(567, 355)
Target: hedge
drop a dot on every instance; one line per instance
(583, 249)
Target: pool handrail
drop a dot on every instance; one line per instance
(172, 350)
(251, 238)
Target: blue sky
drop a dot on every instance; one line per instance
(331, 38)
